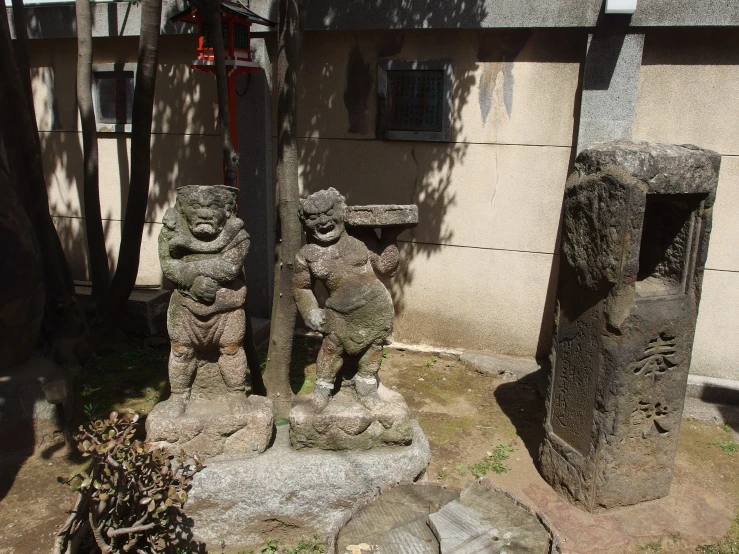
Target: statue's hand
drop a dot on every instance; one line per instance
(316, 319)
(205, 288)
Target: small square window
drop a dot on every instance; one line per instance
(415, 99)
(113, 86)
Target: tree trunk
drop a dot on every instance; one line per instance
(23, 148)
(284, 311)
(21, 52)
(97, 255)
(138, 191)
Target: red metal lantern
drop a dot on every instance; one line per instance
(236, 22)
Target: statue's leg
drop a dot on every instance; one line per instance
(329, 362)
(365, 381)
(232, 359)
(182, 365)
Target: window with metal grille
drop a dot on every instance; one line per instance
(241, 36)
(207, 38)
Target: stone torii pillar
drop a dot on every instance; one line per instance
(637, 220)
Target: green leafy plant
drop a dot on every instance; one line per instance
(726, 428)
(131, 496)
(652, 547)
(269, 547)
(431, 361)
(90, 409)
(313, 545)
(729, 446)
(493, 461)
(461, 469)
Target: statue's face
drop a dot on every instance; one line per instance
(206, 214)
(324, 220)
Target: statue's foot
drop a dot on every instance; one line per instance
(316, 400)
(381, 410)
(237, 402)
(175, 405)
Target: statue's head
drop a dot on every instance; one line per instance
(206, 208)
(322, 214)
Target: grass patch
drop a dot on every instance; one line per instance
(652, 547)
(729, 446)
(493, 461)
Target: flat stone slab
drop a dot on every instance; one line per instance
(288, 495)
(422, 518)
(382, 215)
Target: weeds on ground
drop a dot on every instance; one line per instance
(312, 545)
(726, 428)
(432, 361)
(493, 461)
(652, 547)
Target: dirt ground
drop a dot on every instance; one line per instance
(476, 424)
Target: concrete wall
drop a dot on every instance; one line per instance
(688, 94)
(477, 272)
(185, 143)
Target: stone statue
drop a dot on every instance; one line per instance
(356, 321)
(202, 247)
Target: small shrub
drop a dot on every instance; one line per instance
(130, 498)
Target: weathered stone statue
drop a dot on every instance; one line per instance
(356, 322)
(202, 247)
(637, 220)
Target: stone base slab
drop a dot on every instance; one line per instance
(288, 495)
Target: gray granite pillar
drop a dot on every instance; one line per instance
(637, 220)
(610, 84)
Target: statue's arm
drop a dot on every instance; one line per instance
(223, 267)
(176, 271)
(313, 316)
(385, 258)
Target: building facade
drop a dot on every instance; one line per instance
(532, 83)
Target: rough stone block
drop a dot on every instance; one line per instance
(289, 494)
(209, 425)
(637, 220)
(345, 424)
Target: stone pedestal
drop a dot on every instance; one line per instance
(345, 424)
(637, 218)
(214, 422)
(289, 494)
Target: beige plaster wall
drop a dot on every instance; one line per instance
(185, 144)
(688, 94)
(478, 270)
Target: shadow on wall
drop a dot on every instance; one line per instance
(339, 143)
(418, 173)
(185, 145)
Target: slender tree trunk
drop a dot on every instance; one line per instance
(21, 52)
(23, 149)
(98, 256)
(138, 191)
(284, 311)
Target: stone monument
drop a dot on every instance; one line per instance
(202, 247)
(637, 219)
(349, 408)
